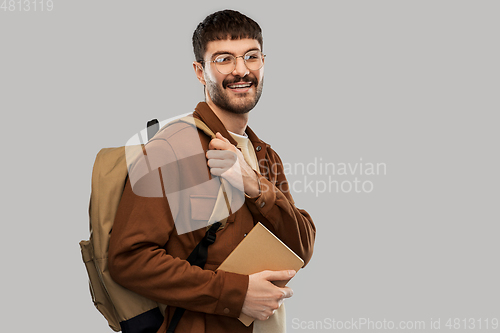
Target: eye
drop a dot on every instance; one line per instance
(223, 59)
(252, 56)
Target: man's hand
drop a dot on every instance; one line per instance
(227, 161)
(263, 297)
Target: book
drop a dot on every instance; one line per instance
(260, 250)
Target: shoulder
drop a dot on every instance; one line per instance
(175, 142)
(175, 133)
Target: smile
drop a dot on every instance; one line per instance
(240, 86)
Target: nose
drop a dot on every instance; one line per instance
(241, 68)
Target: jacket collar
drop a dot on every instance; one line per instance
(205, 114)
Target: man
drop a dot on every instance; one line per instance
(148, 251)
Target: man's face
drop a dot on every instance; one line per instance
(226, 90)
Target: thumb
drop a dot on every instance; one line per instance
(280, 275)
(219, 136)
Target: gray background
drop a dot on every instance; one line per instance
(412, 84)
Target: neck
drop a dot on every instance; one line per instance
(233, 122)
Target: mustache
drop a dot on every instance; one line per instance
(236, 79)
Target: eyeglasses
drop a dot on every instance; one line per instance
(226, 63)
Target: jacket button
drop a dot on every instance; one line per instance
(262, 204)
(226, 310)
(258, 148)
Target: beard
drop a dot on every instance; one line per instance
(238, 105)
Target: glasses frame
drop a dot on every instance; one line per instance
(235, 61)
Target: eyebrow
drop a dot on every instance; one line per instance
(227, 52)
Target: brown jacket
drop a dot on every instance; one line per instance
(146, 253)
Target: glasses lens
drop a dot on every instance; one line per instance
(225, 63)
(253, 60)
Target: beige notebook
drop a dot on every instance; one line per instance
(261, 250)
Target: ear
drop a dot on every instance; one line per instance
(198, 70)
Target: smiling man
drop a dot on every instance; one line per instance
(148, 252)
(234, 86)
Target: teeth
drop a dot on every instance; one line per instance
(239, 85)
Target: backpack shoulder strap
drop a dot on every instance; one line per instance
(153, 126)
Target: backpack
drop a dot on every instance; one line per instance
(125, 310)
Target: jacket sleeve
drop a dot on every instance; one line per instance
(275, 208)
(137, 257)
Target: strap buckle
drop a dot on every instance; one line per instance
(210, 235)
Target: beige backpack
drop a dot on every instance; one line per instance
(123, 309)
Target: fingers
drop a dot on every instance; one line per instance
(263, 298)
(225, 160)
(221, 155)
(220, 143)
(219, 161)
(219, 136)
(279, 275)
(287, 292)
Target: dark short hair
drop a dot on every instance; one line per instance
(222, 25)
